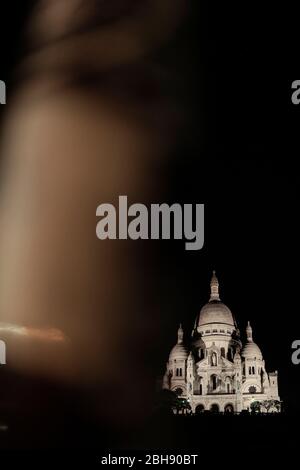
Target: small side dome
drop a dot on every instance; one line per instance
(179, 351)
(250, 350)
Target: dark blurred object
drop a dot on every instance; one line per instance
(95, 35)
(92, 118)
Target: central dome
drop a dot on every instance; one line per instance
(215, 311)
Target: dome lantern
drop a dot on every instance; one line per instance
(180, 335)
(214, 288)
(249, 333)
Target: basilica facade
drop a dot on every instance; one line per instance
(214, 370)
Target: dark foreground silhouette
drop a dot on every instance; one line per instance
(37, 415)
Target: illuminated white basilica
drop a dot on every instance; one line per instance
(214, 371)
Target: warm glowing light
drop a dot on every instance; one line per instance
(44, 334)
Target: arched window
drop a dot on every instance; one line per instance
(201, 386)
(214, 408)
(180, 372)
(213, 382)
(229, 408)
(179, 391)
(201, 353)
(228, 385)
(253, 370)
(223, 352)
(249, 370)
(199, 409)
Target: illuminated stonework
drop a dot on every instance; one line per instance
(214, 371)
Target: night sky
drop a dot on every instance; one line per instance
(240, 159)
